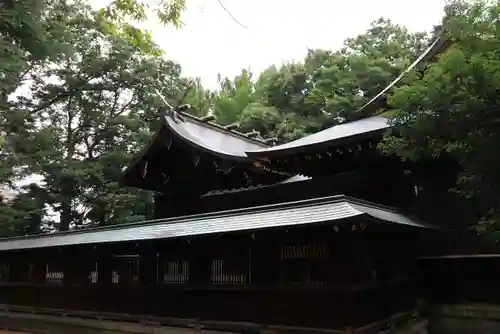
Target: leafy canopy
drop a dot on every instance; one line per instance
(453, 109)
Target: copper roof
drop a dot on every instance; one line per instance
(332, 210)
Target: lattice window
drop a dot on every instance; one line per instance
(115, 277)
(94, 273)
(176, 272)
(304, 264)
(229, 272)
(52, 275)
(125, 270)
(94, 276)
(4, 272)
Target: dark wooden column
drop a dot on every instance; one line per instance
(200, 262)
(19, 266)
(263, 261)
(38, 259)
(104, 265)
(71, 264)
(148, 263)
(15, 266)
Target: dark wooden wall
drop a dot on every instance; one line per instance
(387, 187)
(317, 277)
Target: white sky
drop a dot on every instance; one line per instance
(277, 30)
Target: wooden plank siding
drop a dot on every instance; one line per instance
(310, 276)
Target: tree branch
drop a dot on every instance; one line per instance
(231, 15)
(100, 134)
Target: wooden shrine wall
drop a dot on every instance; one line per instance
(309, 277)
(368, 185)
(426, 197)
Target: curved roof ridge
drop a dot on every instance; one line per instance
(432, 50)
(212, 139)
(224, 129)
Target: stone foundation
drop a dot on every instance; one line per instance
(465, 319)
(36, 323)
(46, 324)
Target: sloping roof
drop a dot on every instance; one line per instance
(293, 179)
(212, 138)
(336, 135)
(197, 132)
(320, 210)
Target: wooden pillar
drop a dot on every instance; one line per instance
(104, 266)
(70, 265)
(266, 260)
(14, 272)
(38, 260)
(148, 264)
(200, 263)
(6, 264)
(19, 267)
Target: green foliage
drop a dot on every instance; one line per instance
(86, 112)
(115, 18)
(300, 98)
(24, 214)
(453, 109)
(167, 11)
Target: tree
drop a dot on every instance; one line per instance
(453, 109)
(25, 213)
(167, 11)
(89, 109)
(233, 97)
(23, 44)
(327, 87)
(237, 101)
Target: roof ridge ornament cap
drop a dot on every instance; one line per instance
(172, 113)
(252, 134)
(207, 118)
(183, 107)
(232, 126)
(271, 140)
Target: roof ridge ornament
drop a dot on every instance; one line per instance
(231, 127)
(252, 134)
(174, 112)
(271, 140)
(207, 118)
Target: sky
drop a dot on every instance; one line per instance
(276, 30)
